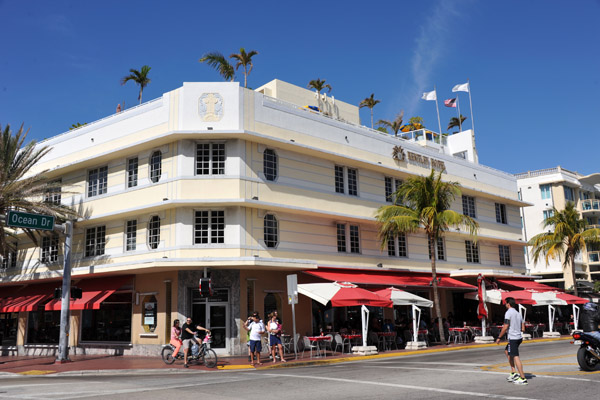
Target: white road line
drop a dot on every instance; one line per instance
(396, 385)
(434, 363)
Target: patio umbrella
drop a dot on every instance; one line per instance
(482, 311)
(345, 294)
(531, 297)
(403, 298)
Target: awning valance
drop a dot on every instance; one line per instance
(26, 298)
(527, 284)
(94, 292)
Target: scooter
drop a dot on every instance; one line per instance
(588, 355)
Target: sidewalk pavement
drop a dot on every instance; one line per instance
(109, 365)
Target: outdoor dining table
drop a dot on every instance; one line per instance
(460, 334)
(388, 339)
(317, 340)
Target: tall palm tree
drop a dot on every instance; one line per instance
(19, 190)
(245, 60)
(139, 77)
(424, 202)
(566, 238)
(369, 102)
(393, 125)
(455, 123)
(319, 85)
(220, 63)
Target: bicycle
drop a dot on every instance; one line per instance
(201, 354)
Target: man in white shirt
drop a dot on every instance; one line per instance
(256, 328)
(513, 322)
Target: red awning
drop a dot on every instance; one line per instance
(527, 284)
(94, 292)
(26, 298)
(386, 278)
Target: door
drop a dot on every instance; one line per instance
(217, 323)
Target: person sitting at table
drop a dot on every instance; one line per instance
(375, 325)
(388, 326)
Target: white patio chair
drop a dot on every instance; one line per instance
(535, 331)
(310, 346)
(341, 342)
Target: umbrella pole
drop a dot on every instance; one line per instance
(483, 332)
(416, 323)
(575, 317)
(365, 323)
(550, 318)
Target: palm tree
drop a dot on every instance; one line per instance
(424, 202)
(369, 102)
(394, 125)
(244, 59)
(319, 85)
(455, 123)
(20, 191)
(566, 238)
(139, 77)
(220, 63)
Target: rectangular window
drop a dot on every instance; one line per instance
(339, 179)
(354, 239)
(472, 251)
(346, 180)
(209, 227)
(398, 246)
(441, 254)
(504, 252)
(545, 190)
(131, 235)
(111, 323)
(97, 181)
(341, 238)
(132, 172)
(95, 241)
(9, 259)
(391, 245)
(352, 182)
(569, 196)
(548, 214)
(501, 213)
(49, 249)
(469, 206)
(210, 159)
(391, 186)
(53, 192)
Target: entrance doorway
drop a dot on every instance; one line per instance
(213, 313)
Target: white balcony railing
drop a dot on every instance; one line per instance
(590, 205)
(594, 256)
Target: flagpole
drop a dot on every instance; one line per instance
(438, 111)
(458, 110)
(471, 104)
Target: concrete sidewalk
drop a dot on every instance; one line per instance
(106, 364)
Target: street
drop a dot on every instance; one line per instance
(551, 369)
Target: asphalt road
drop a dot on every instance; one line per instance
(551, 369)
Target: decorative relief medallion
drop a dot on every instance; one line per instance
(398, 153)
(210, 107)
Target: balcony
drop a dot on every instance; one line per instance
(593, 257)
(424, 135)
(590, 206)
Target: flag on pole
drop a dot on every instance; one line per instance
(450, 102)
(429, 95)
(464, 87)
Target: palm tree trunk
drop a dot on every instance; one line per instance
(371, 117)
(141, 90)
(436, 296)
(245, 77)
(572, 259)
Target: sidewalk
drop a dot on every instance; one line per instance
(106, 364)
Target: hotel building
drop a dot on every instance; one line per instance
(245, 187)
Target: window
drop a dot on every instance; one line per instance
(210, 159)
(271, 234)
(569, 196)
(397, 246)
(441, 255)
(209, 227)
(9, 259)
(49, 249)
(130, 235)
(154, 232)
(53, 192)
(391, 185)
(270, 164)
(155, 166)
(132, 172)
(546, 194)
(352, 236)
(346, 180)
(43, 327)
(504, 252)
(97, 181)
(95, 241)
(354, 239)
(472, 250)
(341, 238)
(548, 214)
(469, 206)
(501, 213)
(111, 323)
(8, 328)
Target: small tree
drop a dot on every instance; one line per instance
(139, 77)
(394, 125)
(455, 123)
(245, 60)
(220, 63)
(369, 102)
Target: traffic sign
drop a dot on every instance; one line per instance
(19, 219)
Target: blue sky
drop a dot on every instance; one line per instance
(533, 65)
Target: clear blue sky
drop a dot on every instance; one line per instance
(533, 65)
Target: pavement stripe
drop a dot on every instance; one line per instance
(396, 385)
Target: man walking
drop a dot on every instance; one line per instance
(256, 328)
(590, 319)
(513, 323)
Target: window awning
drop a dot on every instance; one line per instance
(386, 278)
(26, 298)
(94, 292)
(527, 284)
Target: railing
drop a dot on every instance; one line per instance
(424, 134)
(592, 227)
(590, 205)
(546, 171)
(593, 256)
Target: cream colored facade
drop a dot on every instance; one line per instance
(553, 187)
(236, 128)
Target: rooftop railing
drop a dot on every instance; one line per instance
(546, 171)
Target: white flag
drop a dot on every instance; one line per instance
(429, 95)
(461, 88)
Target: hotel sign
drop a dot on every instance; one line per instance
(425, 161)
(18, 219)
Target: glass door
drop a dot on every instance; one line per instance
(217, 323)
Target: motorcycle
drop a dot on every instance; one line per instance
(200, 354)
(588, 355)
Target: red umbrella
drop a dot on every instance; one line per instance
(569, 298)
(342, 294)
(482, 311)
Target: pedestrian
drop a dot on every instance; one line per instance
(256, 328)
(513, 323)
(176, 338)
(187, 336)
(274, 328)
(590, 319)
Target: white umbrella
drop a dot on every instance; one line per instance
(402, 298)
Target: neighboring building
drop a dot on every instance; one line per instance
(553, 187)
(246, 187)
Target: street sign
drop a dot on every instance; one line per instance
(19, 219)
(292, 288)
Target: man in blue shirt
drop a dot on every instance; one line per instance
(513, 323)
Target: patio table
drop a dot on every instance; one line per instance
(317, 340)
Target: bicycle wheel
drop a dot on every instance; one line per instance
(209, 358)
(167, 355)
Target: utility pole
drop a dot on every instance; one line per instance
(65, 308)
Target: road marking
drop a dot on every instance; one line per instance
(432, 363)
(536, 361)
(396, 385)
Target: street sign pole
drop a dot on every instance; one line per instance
(65, 312)
(292, 286)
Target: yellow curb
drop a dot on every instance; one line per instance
(36, 372)
(235, 367)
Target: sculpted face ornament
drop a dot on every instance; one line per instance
(210, 107)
